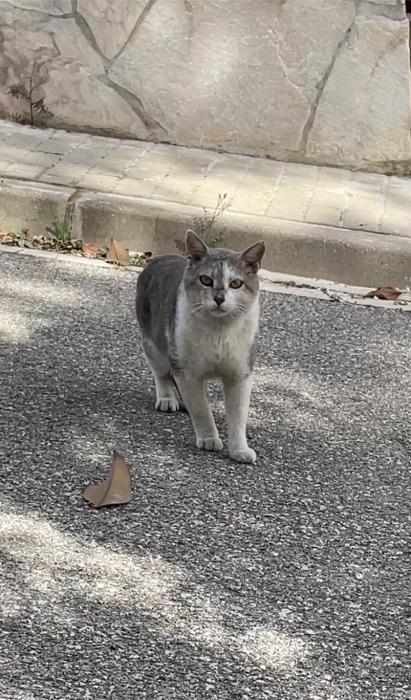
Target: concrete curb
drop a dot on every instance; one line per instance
(32, 205)
(271, 282)
(309, 250)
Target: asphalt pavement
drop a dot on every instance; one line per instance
(285, 580)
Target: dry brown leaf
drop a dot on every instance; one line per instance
(113, 491)
(39, 242)
(117, 254)
(91, 250)
(50, 233)
(8, 238)
(387, 293)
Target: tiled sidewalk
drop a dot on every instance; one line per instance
(302, 193)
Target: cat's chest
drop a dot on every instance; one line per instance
(216, 351)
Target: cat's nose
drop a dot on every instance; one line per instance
(219, 299)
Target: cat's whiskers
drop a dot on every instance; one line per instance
(197, 308)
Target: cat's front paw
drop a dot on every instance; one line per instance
(211, 444)
(169, 405)
(244, 454)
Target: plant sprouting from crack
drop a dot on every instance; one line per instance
(26, 90)
(60, 234)
(61, 231)
(207, 225)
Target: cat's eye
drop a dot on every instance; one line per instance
(206, 280)
(236, 284)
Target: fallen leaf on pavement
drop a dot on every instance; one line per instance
(117, 254)
(387, 293)
(113, 491)
(140, 259)
(50, 233)
(42, 242)
(91, 250)
(25, 243)
(8, 238)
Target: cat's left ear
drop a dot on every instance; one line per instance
(253, 255)
(196, 249)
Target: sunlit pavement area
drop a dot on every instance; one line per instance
(284, 580)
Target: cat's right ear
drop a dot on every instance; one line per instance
(196, 249)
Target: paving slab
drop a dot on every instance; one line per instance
(288, 579)
(275, 198)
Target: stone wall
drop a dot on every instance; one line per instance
(323, 81)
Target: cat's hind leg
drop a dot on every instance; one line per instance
(166, 398)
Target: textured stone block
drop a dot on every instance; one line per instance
(363, 113)
(323, 82)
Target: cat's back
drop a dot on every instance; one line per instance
(157, 289)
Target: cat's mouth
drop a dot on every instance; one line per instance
(218, 311)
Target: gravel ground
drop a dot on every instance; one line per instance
(285, 580)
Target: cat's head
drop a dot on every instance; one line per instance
(221, 282)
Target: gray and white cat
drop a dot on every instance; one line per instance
(199, 320)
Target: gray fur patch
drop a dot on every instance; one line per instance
(157, 290)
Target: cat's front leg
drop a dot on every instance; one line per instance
(237, 402)
(192, 391)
